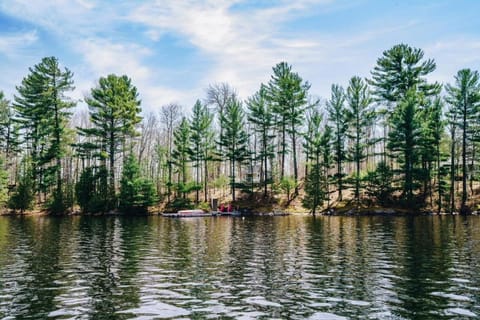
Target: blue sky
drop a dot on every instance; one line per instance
(173, 49)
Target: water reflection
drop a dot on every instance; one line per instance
(282, 267)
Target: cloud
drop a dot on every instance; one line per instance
(236, 41)
(13, 44)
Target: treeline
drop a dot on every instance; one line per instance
(394, 139)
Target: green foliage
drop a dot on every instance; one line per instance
(379, 183)
(262, 117)
(179, 204)
(399, 70)
(205, 206)
(287, 185)
(85, 189)
(136, 192)
(339, 118)
(202, 143)
(235, 139)
(114, 114)
(314, 192)
(361, 118)
(464, 99)
(3, 183)
(288, 95)
(23, 195)
(181, 151)
(404, 141)
(91, 190)
(42, 110)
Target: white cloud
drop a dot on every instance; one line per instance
(12, 44)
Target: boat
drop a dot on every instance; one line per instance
(188, 214)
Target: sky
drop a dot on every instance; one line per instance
(173, 49)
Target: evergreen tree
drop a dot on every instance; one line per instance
(114, 113)
(437, 129)
(404, 141)
(43, 112)
(85, 189)
(399, 80)
(327, 160)
(181, 153)
(464, 97)
(314, 140)
(399, 70)
(136, 193)
(339, 118)
(261, 115)
(201, 143)
(379, 183)
(23, 195)
(235, 139)
(288, 94)
(361, 118)
(3, 183)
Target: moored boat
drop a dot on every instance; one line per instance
(188, 213)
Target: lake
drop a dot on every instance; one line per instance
(231, 268)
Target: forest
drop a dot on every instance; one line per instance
(393, 140)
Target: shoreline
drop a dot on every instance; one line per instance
(338, 212)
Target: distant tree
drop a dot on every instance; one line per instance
(234, 140)
(136, 192)
(201, 138)
(327, 160)
(339, 118)
(85, 189)
(181, 152)
(261, 115)
(361, 117)
(437, 124)
(23, 195)
(379, 183)
(464, 97)
(170, 115)
(3, 183)
(404, 141)
(114, 113)
(288, 94)
(314, 143)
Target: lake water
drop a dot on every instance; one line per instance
(231, 268)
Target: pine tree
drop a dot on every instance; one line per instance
(181, 153)
(136, 193)
(114, 107)
(85, 189)
(361, 118)
(288, 94)
(261, 115)
(235, 139)
(201, 143)
(23, 195)
(339, 118)
(437, 128)
(399, 80)
(464, 97)
(314, 140)
(399, 70)
(404, 141)
(43, 112)
(3, 183)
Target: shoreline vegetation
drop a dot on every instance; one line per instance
(394, 143)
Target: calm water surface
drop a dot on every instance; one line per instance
(229, 268)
